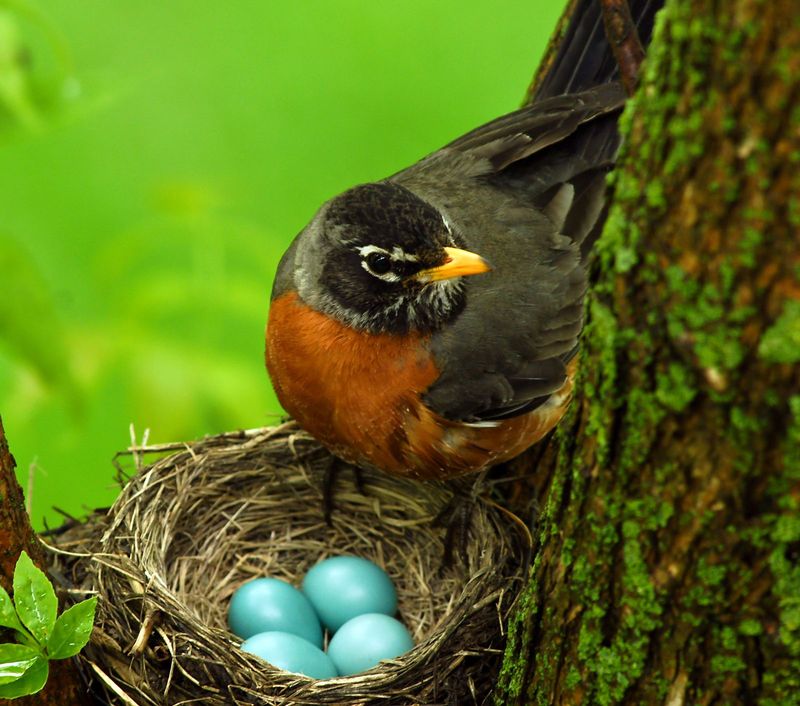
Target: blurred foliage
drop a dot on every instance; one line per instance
(155, 161)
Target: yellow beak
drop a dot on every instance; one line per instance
(459, 263)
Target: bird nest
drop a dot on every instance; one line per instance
(194, 525)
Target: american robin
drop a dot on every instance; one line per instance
(428, 324)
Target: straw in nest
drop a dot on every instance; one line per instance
(196, 524)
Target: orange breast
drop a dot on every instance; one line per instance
(359, 394)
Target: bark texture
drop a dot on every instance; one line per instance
(64, 686)
(666, 567)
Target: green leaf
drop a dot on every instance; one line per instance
(72, 630)
(8, 616)
(15, 660)
(34, 598)
(29, 683)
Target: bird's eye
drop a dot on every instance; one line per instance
(379, 263)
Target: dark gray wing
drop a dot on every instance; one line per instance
(511, 138)
(525, 191)
(583, 57)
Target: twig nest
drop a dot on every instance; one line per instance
(192, 527)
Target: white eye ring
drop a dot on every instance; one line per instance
(397, 254)
(365, 250)
(368, 250)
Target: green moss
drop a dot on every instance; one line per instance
(616, 666)
(720, 349)
(750, 628)
(793, 208)
(787, 529)
(786, 587)
(721, 664)
(574, 677)
(675, 389)
(781, 342)
(640, 425)
(654, 193)
(617, 249)
(601, 337)
(512, 673)
(791, 451)
(520, 626)
(792, 695)
(703, 315)
(781, 679)
(638, 591)
(625, 259)
(752, 238)
(674, 142)
(706, 589)
(612, 664)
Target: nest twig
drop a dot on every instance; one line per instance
(193, 526)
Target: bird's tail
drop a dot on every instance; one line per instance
(582, 58)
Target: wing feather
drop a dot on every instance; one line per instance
(526, 191)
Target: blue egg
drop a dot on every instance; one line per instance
(264, 605)
(291, 653)
(342, 587)
(365, 640)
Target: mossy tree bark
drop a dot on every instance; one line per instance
(667, 559)
(64, 685)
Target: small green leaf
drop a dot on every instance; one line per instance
(29, 683)
(34, 598)
(15, 660)
(8, 616)
(72, 630)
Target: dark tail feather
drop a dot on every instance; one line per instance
(583, 58)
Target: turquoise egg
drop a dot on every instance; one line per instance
(291, 653)
(342, 587)
(365, 640)
(267, 604)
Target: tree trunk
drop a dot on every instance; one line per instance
(666, 566)
(64, 686)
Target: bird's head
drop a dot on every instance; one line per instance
(381, 259)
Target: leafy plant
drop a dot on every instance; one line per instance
(41, 634)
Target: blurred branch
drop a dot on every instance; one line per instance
(64, 685)
(624, 41)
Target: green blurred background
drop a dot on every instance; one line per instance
(156, 158)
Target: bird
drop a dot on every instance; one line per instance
(428, 324)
